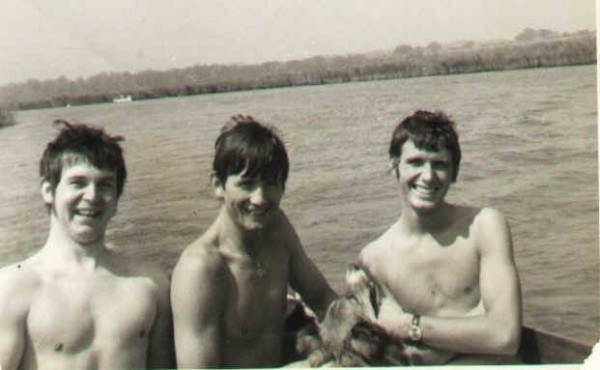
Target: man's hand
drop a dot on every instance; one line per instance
(393, 318)
(397, 323)
(310, 345)
(351, 339)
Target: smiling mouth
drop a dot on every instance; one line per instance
(425, 190)
(90, 213)
(258, 212)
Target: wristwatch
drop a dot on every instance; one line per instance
(415, 332)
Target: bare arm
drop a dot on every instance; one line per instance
(496, 330)
(13, 308)
(197, 305)
(161, 346)
(306, 279)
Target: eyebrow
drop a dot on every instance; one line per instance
(108, 179)
(102, 177)
(425, 154)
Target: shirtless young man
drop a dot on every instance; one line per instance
(449, 267)
(229, 287)
(76, 304)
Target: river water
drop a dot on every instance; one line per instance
(530, 149)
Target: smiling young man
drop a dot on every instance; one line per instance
(448, 269)
(229, 286)
(75, 304)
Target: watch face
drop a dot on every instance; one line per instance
(415, 333)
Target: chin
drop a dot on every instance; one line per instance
(257, 224)
(254, 226)
(87, 236)
(425, 207)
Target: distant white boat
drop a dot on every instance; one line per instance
(123, 99)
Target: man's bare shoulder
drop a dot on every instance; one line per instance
(480, 220)
(377, 248)
(19, 280)
(200, 259)
(492, 229)
(490, 215)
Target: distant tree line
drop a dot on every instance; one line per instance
(7, 118)
(530, 49)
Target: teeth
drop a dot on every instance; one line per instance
(88, 212)
(425, 192)
(424, 189)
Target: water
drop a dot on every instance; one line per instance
(529, 141)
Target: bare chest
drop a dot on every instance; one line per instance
(256, 304)
(434, 279)
(97, 315)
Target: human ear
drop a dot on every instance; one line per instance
(394, 166)
(47, 191)
(218, 186)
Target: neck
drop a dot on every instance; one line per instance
(425, 222)
(62, 247)
(235, 238)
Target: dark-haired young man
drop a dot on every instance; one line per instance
(448, 269)
(229, 287)
(75, 304)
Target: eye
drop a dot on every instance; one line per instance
(77, 183)
(415, 162)
(106, 185)
(247, 184)
(441, 165)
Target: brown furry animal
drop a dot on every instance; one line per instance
(350, 334)
(349, 331)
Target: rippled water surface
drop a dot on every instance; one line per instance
(529, 141)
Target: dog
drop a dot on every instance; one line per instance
(349, 335)
(302, 343)
(349, 331)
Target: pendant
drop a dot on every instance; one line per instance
(259, 269)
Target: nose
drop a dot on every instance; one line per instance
(258, 196)
(428, 173)
(91, 192)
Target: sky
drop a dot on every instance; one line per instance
(44, 39)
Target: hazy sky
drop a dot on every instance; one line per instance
(78, 38)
